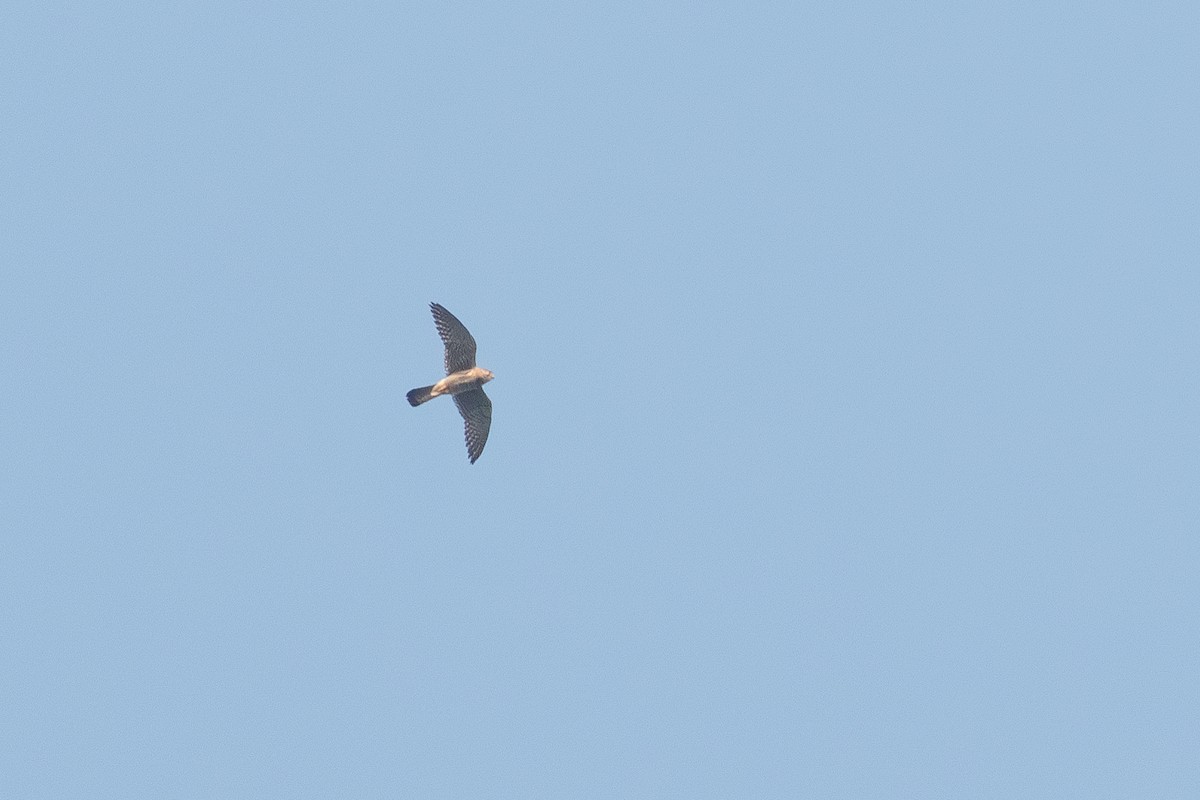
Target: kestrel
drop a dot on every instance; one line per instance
(463, 380)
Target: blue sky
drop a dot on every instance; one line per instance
(846, 428)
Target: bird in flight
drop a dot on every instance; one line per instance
(464, 381)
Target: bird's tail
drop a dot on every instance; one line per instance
(418, 396)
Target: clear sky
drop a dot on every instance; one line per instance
(846, 439)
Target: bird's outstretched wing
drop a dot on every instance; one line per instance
(460, 344)
(476, 410)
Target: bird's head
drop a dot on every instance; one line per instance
(487, 375)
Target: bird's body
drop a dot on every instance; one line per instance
(464, 380)
(454, 383)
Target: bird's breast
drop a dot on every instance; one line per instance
(464, 381)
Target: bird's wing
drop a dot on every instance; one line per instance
(460, 344)
(476, 410)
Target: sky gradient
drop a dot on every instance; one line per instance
(845, 437)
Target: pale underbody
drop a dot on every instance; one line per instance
(462, 381)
